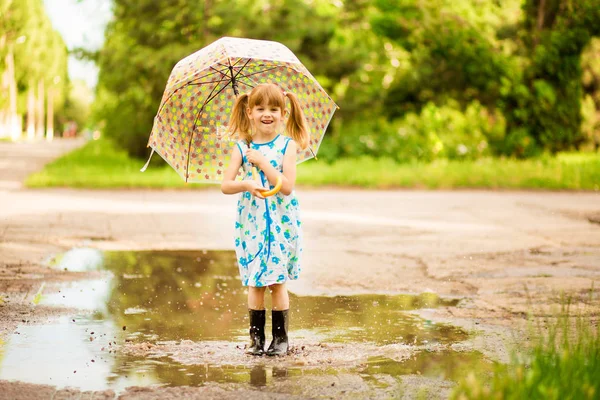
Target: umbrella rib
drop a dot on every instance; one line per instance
(201, 77)
(255, 73)
(216, 94)
(169, 98)
(241, 68)
(257, 65)
(227, 66)
(242, 82)
(194, 127)
(209, 74)
(220, 72)
(204, 83)
(188, 84)
(252, 80)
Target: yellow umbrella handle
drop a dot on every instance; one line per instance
(266, 193)
(277, 188)
(256, 176)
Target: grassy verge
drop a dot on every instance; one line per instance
(563, 364)
(565, 171)
(100, 165)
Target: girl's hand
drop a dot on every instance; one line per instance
(256, 157)
(254, 188)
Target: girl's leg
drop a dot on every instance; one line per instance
(256, 312)
(256, 298)
(279, 297)
(281, 304)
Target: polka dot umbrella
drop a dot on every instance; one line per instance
(189, 128)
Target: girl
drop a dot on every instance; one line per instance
(268, 236)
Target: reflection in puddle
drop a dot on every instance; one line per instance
(78, 259)
(166, 372)
(64, 353)
(447, 365)
(194, 295)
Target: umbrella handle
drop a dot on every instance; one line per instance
(267, 193)
(256, 176)
(277, 188)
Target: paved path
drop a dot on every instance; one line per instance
(17, 160)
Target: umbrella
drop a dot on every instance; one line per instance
(189, 130)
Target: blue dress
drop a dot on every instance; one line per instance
(268, 234)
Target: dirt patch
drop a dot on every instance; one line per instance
(594, 218)
(303, 353)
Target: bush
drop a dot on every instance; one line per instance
(437, 132)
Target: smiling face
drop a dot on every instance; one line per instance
(265, 119)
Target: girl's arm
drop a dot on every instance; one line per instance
(288, 177)
(230, 186)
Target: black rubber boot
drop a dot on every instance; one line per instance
(257, 332)
(279, 345)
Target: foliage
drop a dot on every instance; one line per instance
(590, 63)
(527, 64)
(77, 106)
(146, 39)
(556, 34)
(436, 132)
(100, 164)
(452, 52)
(39, 51)
(564, 364)
(529, 68)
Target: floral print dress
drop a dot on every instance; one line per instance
(268, 234)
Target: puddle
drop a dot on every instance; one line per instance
(446, 365)
(150, 297)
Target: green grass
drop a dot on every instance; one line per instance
(566, 171)
(100, 165)
(564, 363)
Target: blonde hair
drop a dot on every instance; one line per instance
(269, 94)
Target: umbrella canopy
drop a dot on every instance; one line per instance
(189, 128)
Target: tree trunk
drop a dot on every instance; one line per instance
(540, 16)
(540, 22)
(31, 112)
(14, 125)
(40, 111)
(50, 116)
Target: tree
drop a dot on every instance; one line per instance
(556, 34)
(530, 68)
(451, 50)
(145, 40)
(35, 55)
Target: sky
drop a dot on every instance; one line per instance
(81, 24)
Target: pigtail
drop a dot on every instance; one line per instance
(297, 126)
(239, 122)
